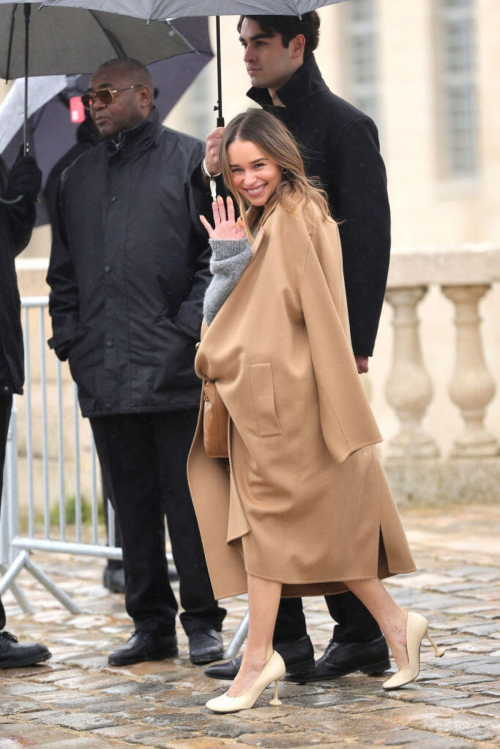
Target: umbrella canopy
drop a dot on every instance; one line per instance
(53, 134)
(156, 10)
(71, 42)
(161, 10)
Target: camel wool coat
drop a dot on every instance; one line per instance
(306, 501)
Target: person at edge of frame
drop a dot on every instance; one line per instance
(340, 146)
(128, 272)
(16, 226)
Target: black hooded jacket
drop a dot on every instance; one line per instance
(15, 233)
(340, 146)
(128, 273)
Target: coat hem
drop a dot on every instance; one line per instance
(391, 573)
(144, 410)
(244, 591)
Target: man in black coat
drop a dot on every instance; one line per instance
(87, 136)
(340, 147)
(128, 272)
(16, 225)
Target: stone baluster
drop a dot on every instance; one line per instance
(472, 387)
(409, 387)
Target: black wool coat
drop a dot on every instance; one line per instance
(15, 233)
(340, 146)
(128, 272)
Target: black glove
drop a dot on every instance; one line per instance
(25, 178)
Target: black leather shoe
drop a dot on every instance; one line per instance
(205, 646)
(144, 646)
(15, 655)
(114, 579)
(297, 654)
(341, 658)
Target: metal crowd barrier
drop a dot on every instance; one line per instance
(38, 535)
(17, 546)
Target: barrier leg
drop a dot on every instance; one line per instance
(54, 589)
(239, 638)
(18, 594)
(21, 599)
(13, 571)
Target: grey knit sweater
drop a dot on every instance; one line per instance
(230, 257)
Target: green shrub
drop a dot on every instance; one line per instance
(70, 506)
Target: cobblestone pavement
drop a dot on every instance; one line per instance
(77, 702)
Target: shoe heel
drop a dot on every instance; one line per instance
(438, 652)
(275, 700)
(376, 669)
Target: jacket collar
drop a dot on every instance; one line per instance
(305, 82)
(139, 138)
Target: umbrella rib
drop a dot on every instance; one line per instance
(11, 40)
(193, 49)
(117, 47)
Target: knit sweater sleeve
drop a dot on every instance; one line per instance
(223, 249)
(230, 257)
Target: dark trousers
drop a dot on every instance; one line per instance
(5, 411)
(112, 564)
(354, 621)
(143, 458)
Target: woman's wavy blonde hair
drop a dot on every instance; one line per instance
(269, 134)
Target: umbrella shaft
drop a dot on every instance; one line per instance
(27, 18)
(220, 118)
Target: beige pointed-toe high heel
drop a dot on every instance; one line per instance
(416, 629)
(273, 670)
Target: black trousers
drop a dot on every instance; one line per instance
(143, 458)
(354, 621)
(112, 564)
(5, 411)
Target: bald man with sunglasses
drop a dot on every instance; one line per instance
(128, 273)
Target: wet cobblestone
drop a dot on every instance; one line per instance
(75, 701)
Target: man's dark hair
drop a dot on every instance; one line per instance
(289, 27)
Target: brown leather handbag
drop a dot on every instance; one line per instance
(215, 422)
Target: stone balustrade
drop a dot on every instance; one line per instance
(414, 460)
(464, 276)
(420, 468)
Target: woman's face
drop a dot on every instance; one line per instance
(254, 174)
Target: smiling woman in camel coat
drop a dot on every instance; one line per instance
(306, 502)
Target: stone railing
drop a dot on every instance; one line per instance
(418, 468)
(422, 466)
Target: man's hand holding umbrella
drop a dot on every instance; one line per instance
(24, 181)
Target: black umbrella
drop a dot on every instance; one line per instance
(52, 131)
(74, 41)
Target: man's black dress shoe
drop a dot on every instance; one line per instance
(297, 654)
(205, 646)
(114, 579)
(15, 655)
(342, 658)
(144, 646)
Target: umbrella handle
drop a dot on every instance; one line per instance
(11, 202)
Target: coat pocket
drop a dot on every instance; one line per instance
(261, 385)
